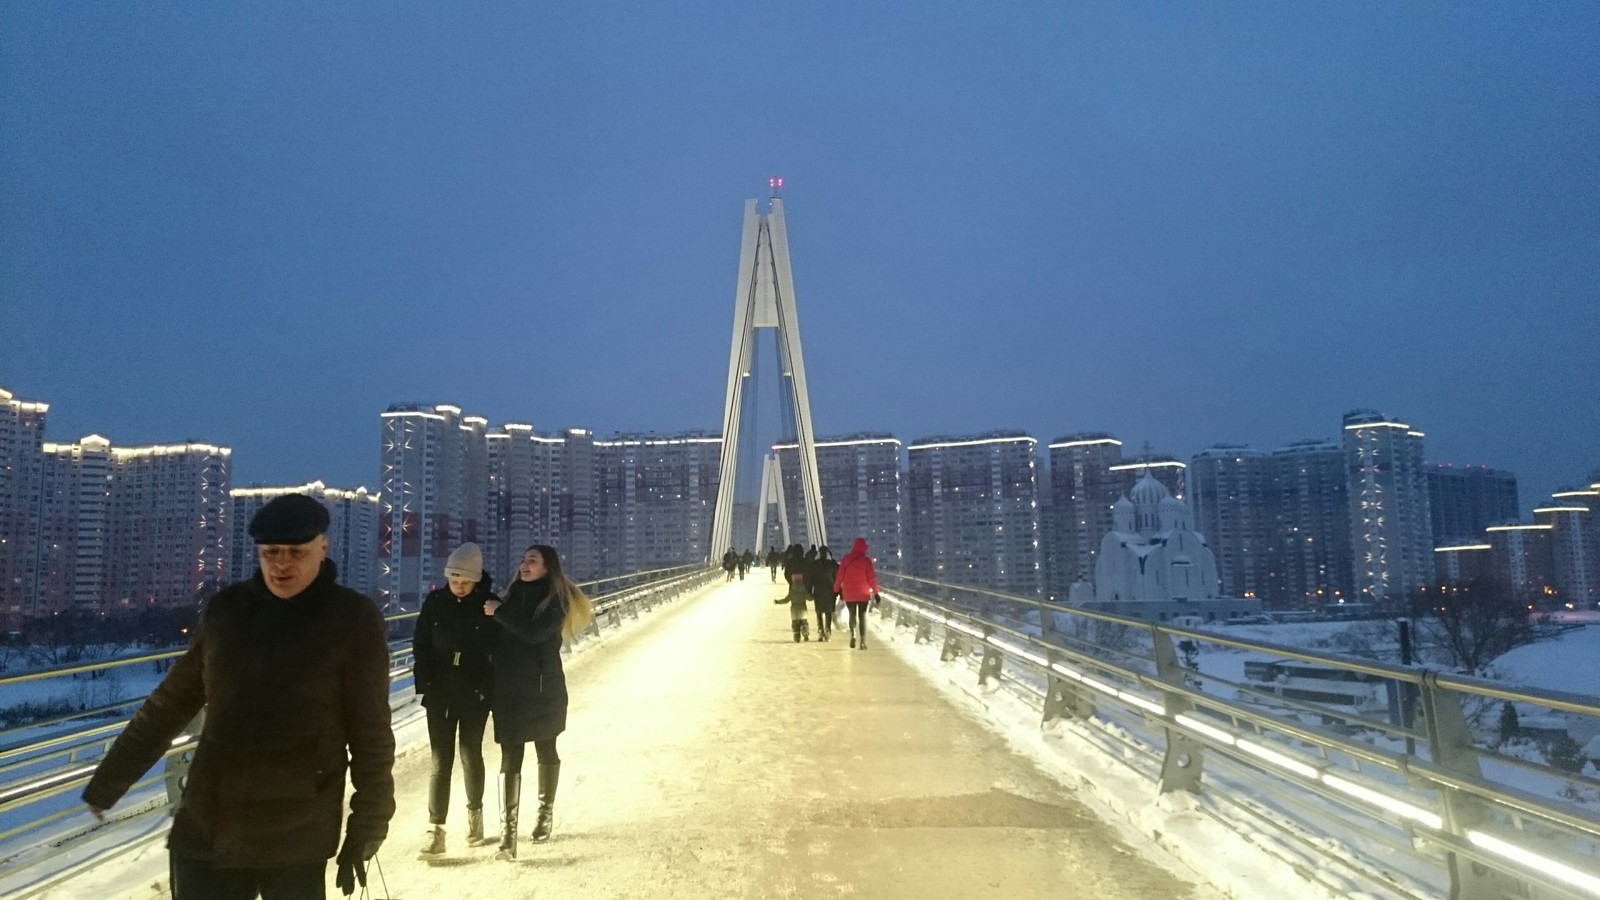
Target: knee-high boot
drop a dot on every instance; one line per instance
(510, 800)
(549, 777)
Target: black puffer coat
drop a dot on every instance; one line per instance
(530, 687)
(451, 649)
(288, 687)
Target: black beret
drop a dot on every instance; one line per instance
(290, 519)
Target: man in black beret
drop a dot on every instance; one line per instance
(293, 672)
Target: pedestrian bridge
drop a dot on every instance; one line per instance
(709, 755)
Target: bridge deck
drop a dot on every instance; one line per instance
(709, 756)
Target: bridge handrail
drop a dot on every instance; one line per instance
(661, 585)
(1445, 802)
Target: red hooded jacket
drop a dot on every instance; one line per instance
(856, 582)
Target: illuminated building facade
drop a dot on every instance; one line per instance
(1082, 490)
(434, 464)
(76, 517)
(1235, 501)
(860, 478)
(1464, 500)
(1574, 570)
(1314, 565)
(21, 474)
(974, 511)
(656, 495)
(169, 537)
(1391, 527)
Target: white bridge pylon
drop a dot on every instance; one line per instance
(764, 298)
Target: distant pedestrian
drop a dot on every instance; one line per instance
(452, 673)
(539, 608)
(821, 574)
(730, 563)
(746, 560)
(773, 559)
(293, 672)
(794, 572)
(857, 584)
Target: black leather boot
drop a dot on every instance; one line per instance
(549, 777)
(510, 800)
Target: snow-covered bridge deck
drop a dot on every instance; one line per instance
(707, 755)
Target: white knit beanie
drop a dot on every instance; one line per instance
(466, 562)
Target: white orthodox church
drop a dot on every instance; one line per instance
(1153, 565)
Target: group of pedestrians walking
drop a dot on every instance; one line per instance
(292, 672)
(816, 580)
(735, 562)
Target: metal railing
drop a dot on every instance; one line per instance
(41, 774)
(1404, 792)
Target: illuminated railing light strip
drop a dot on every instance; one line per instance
(1018, 651)
(1210, 731)
(963, 628)
(1283, 760)
(1100, 686)
(1542, 864)
(1384, 801)
(1143, 703)
(1059, 669)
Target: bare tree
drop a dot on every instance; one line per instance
(1473, 623)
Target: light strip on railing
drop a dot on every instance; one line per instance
(1543, 864)
(1210, 731)
(1059, 669)
(42, 783)
(1384, 801)
(1261, 751)
(1143, 703)
(1100, 686)
(963, 628)
(1012, 648)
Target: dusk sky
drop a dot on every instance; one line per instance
(1184, 224)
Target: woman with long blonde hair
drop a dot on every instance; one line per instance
(537, 610)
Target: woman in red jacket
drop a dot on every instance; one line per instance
(857, 584)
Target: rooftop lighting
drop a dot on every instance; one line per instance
(1165, 463)
(411, 414)
(1556, 509)
(1002, 440)
(1377, 425)
(1087, 443)
(1519, 528)
(1463, 547)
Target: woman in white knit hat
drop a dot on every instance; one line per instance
(454, 678)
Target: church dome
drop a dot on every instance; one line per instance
(1149, 491)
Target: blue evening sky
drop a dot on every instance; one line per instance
(1181, 223)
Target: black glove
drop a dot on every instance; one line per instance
(352, 860)
(877, 600)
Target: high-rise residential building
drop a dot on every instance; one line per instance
(518, 504)
(77, 522)
(21, 473)
(169, 540)
(1235, 495)
(1391, 528)
(974, 511)
(1168, 470)
(1082, 490)
(573, 525)
(429, 505)
(1520, 556)
(860, 478)
(1464, 563)
(1574, 569)
(656, 497)
(352, 531)
(1464, 500)
(1315, 566)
